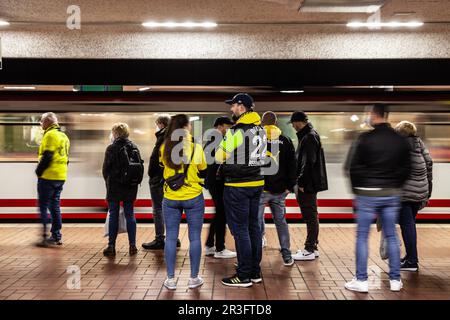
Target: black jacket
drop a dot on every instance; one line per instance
(245, 144)
(380, 158)
(281, 158)
(116, 191)
(155, 171)
(311, 169)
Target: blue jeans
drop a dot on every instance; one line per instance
(49, 192)
(242, 213)
(172, 211)
(407, 222)
(114, 207)
(278, 209)
(388, 209)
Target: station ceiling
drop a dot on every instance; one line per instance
(41, 12)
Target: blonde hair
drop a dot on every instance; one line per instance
(120, 130)
(406, 128)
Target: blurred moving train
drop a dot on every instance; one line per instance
(89, 129)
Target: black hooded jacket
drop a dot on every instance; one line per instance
(311, 170)
(155, 171)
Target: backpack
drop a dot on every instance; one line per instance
(131, 165)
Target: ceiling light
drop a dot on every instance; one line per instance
(194, 118)
(392, 24)
(144, 88)
(292, 91)
(187, 24)
(18, 88)
(4, 23)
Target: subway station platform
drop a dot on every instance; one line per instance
(31, 273)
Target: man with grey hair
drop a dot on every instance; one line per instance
(155, 172)
(52, 173)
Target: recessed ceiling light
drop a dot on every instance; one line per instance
(171, 24)
(18, 88)
(144, 88)
(292, 91)
(4, 23)
(392, 24)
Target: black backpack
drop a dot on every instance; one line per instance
(131, 165)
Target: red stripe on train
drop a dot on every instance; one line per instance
(342, 203)
(147, 216)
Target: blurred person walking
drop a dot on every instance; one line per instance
(380, 164)
(311, 179)
(415, 194)
(184, 171)
(123, 171)
(279, 183)
(52, 173)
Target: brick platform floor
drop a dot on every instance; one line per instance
(28, 272)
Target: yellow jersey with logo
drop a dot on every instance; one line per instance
(58, 143)
(193, 183)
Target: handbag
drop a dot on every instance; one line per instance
(122, 223)
(176, 181)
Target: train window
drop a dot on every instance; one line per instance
(20, 134)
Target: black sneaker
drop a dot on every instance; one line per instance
(110, 251)
(408, 266)
(55, 241)
(256, 278)
(235, 281)
(154, 245)
(133, 250)
(402, 260)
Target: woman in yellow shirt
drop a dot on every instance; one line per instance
(184, 166)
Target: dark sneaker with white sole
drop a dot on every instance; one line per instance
(256, 278)
(55, 241)
(235, 281)
(408, 266)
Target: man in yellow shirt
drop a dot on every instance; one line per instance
(52, 173)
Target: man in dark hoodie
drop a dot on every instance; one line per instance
(155, 172)
(311, 178)
(280, 179)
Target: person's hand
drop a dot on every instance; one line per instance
(301, 189)
(287, 191)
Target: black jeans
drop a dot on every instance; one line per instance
(407, 221)
(218, 224)
(308, 207)
(242, 207)
(157, 194)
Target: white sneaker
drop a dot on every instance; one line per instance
(225, 254)
(396, 285)
(210, 251)
(195, 282)
(304, 255)
(316, 253)
(170, 283)
(357, 285)
(264, 242)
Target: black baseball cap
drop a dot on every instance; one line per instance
(298, 116)
(222, 120)
(242, 98)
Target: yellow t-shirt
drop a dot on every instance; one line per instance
(192, 187)
(57, 142)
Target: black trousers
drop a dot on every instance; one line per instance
(218, 225)
(308, 207)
